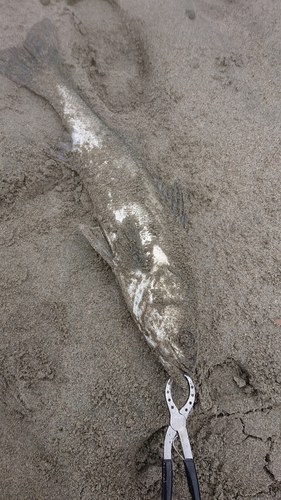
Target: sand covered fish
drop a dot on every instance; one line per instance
(135, 232)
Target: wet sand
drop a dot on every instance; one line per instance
(194, 89)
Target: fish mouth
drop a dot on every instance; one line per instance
(176, 362)
(176, 371)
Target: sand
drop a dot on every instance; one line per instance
(194, 88)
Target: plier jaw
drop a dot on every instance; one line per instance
(176, 428)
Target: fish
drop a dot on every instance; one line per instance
(134, 230)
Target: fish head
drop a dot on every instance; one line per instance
(164, 314)
(178, 356)
(172, 339)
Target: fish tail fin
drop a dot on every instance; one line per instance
(34, 64)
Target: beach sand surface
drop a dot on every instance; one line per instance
(194, 88)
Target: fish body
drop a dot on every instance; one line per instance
(135, 231)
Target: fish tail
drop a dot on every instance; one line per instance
(34, 64)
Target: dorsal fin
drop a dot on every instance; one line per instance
(174, 198)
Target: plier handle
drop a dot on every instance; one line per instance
(176, 428)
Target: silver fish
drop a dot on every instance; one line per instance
(136, 231)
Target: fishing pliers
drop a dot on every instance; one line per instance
(176, 428)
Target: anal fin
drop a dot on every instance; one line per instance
(98, 241)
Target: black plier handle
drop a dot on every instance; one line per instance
(167, 479)
(176, 428)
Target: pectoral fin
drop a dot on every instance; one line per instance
(97, 239)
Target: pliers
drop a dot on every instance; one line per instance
(176, 428)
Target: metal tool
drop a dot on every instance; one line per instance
(176, 428)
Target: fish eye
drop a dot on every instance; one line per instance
(186, 338)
